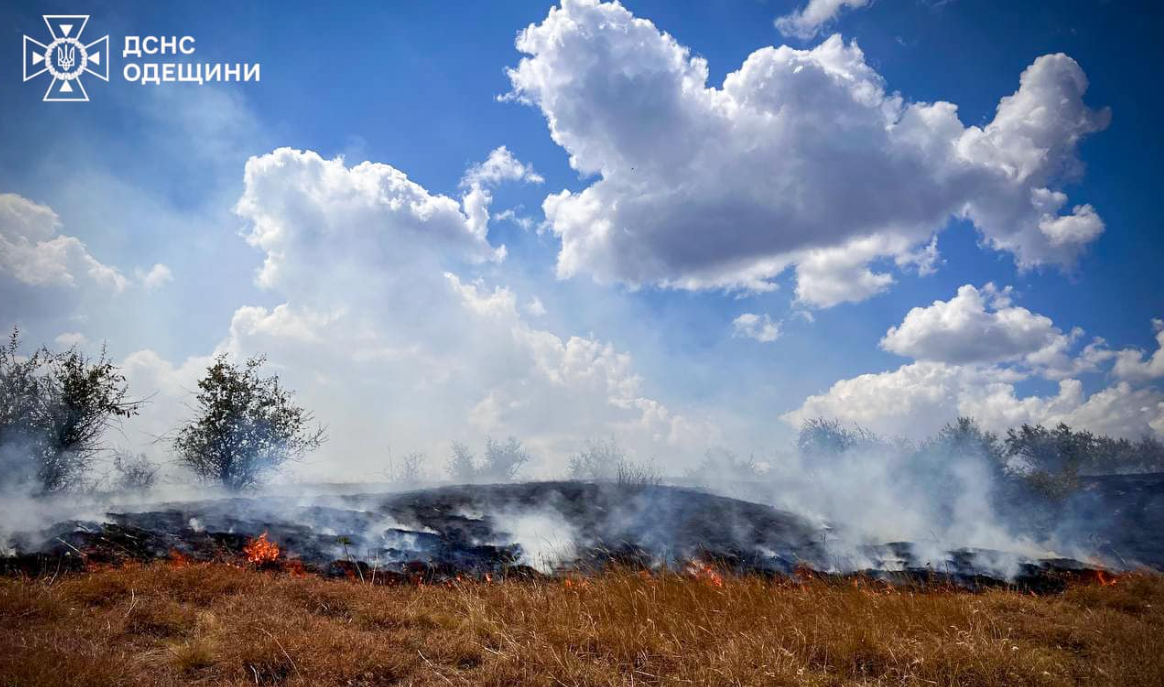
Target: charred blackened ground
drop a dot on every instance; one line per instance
(551, 527)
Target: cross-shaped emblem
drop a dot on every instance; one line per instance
(66, 58)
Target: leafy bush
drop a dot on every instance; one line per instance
(501, 463)
(1121, 456)
(822, 438)
(961, 443)
(55, 408)
(246, 426)
(598, 461)
(605, 461)
(1050, 459)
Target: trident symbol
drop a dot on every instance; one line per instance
(66, 56)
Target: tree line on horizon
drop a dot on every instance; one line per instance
(56, 408)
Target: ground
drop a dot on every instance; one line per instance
(178, 623)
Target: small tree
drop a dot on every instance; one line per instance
(598, 461)
(503, 460)
(1053, 457)
(501, 463)
(960, 441)
(246, 426)
(460, 466)
(55, 409)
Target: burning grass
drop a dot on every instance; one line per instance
(179, 622)
(261, 551)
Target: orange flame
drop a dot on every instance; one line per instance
(1105, 580)
(178, 559)
(261, 551)
(705, 573)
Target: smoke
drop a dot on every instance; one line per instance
(879, 494)
(843, 500)
(548, 541)
(951, 496)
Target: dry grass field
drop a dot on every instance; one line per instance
(217, 624)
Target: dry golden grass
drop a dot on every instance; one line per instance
(222, 625)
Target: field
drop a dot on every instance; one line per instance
(176, 623)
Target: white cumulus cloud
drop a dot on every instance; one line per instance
(71, 339)
(803, 159)
(974, 326)
(916, 399)
(155, 277)
(1132, 364)
(32, 252)
(807, 21)
(759, 327)
(970, 354)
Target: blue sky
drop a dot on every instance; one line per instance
(151, 175)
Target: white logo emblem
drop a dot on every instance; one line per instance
(66, 58)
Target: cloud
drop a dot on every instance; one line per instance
(534, 307)
(369, 215)
(807, 21)
(828, 276)
(803, 159)
(758, 327)
(384, 333)
(1132, 365)
(524, 221)
(970, 352)
(32, 252)
(565, 383)
(71, 339)
(168, 388)
(158, 276)
(500, 166)
(916, 399)
(972, 327)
